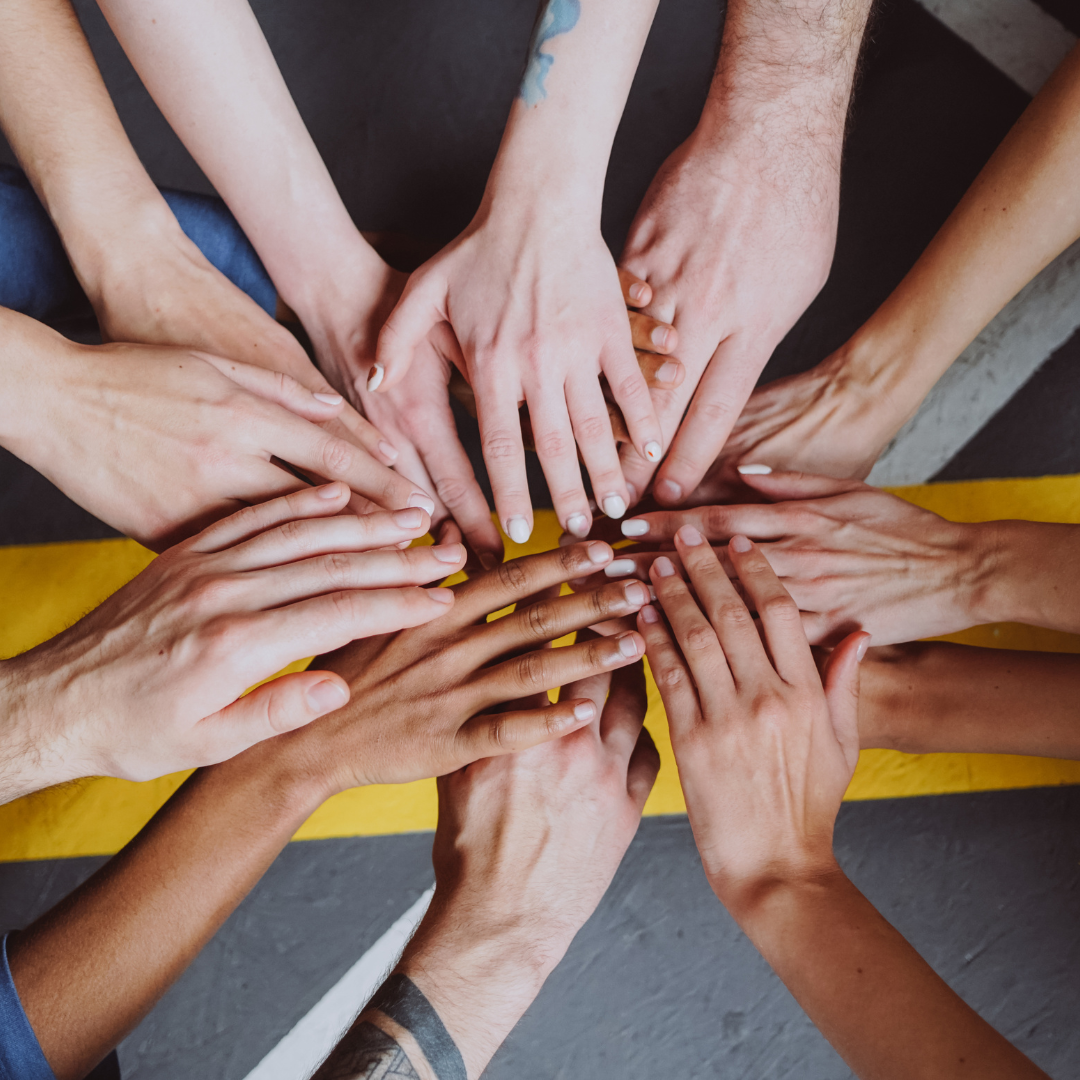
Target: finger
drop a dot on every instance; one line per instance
(279, 388)
(516, 579)
(651, 334)
(636, 293)
(557, 451)
(492, 734)
(643, 769)
(280, 705)
(779, 614)
(504, 455)
(638, 472)
(717, 523)
(307, 502)
(421, 307)
(660, 372)
(670, 672)
(619, 363)
(780, 486)
(589, 413)
(841, 682)
(549, 620)
(545, 669)
(305, 539)
(354, 428)
(624, 711)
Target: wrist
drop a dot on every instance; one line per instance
(30, 378)
(754, 901)
(1003, 575)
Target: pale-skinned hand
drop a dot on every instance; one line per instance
(765, 746)
(151, 681)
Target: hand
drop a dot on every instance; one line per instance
(736, 239)
(765, 747)
(851, 556)
(176, 439)
(421, 698)
(150, 682)
(538, 313)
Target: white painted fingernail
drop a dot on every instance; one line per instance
(653, 451)
(635, 527)
(614, 506)
(517, 528)
(578, 524)
(619, 568)
(328, 399)
(755, 470)
(666, 372)
(375, 376)
(418, 498)
(387, 450)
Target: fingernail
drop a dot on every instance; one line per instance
(632, 492)
(628, 645)
(517, 528)
(598, 553)
(649, 614)
(666, 372)
(441, 596)
(418, 498)
(375, 376)
(326, 696)
(740, 544)
(578, 524)
(387, 450)
(669, 490)
(659, 336)
(584, 710)
(755, 470)
(636, 593)
(664, 567)
(637, 291)
(412, 518)
(620, 568)
(329, 399)
(690, 536)
(448, 553)
(567, 539)
(652, 594)
(614, 506)
(635, 527)
(653, 451)
(488, 560)
(331, 491)
(863, 646)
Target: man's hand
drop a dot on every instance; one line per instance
(525, 849)
(151, 681)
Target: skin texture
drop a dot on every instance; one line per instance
(766, 747)
(90, 969)
(853, 556)
(177, 438)
(531, 291)
(525, 850)
(736, 233)
(151, 681)
(1021, 212)
(147, 281)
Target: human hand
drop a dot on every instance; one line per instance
(765, 746)
(151, 681)
(851, 556)
(421, 700)
(736, 239)
(538, 313)
(175, 438)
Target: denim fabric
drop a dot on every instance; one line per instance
(20, 1055)
(36, 278)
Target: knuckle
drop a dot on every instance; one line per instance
(668, 675)
(336, 568)
(593, 428)
(501, 445)
(734, 614)
(699, 639)
(452, 491)
(631, 388)
(529, 670)
(552, 444)
(512, 576)
(540, 619)
(336, 456)
(779, 607)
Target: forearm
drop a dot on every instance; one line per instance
(1021, 211)
(870, 994)
(61, 123)
(92, 967)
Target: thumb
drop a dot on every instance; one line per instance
(779, 486)
(277, 706)
(422, 306)
(840, 678)
(318, 405)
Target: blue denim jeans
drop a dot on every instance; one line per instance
(36, 278)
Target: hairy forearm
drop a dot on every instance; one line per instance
(870, 994)
(92, 967)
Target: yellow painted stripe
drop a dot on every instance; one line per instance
(47, 587)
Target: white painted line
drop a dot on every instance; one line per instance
(1038, 320)
(301, 1052)
(1016, 36)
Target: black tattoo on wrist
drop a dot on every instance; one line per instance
(401, 1000)
(556, 17)
(367, 1053)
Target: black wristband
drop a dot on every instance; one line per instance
(400, 1000)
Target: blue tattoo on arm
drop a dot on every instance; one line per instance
(557, 17)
